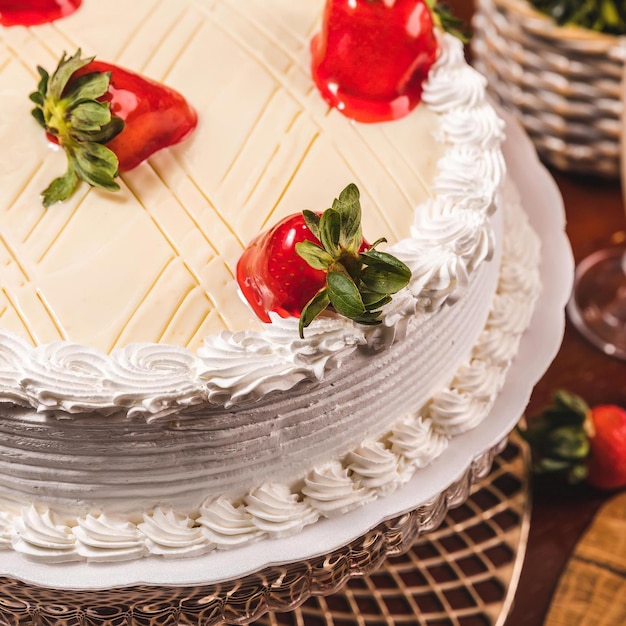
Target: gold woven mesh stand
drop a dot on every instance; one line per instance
(463, 574)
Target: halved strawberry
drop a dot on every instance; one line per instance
(582, 442)
(308, 262)
(35, 12)
(107, 119)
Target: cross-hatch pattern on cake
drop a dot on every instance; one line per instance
(155, 263)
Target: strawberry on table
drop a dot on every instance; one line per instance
(584, 443)
(606, 464)
(309, 262)
(107, 119)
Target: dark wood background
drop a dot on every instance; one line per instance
(560, 513)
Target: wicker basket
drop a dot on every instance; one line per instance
(563, 83)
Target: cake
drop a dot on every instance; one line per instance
(145, 410)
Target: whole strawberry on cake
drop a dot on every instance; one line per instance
(269, 295)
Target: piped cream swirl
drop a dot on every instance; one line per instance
(228, 525)
(236, 366)
(39, 538)
(375, 467)
(173, 535)
(101, 538)
(278, 511)
(332, 491)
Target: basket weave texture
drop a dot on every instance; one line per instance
(563, 83)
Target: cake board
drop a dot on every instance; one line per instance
(164, 585)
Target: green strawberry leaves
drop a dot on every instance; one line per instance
(315, 256)
(317, 305)
(384, 273)
(330, 230)
(348, 206)
(559, 438)
(312, 220)
(69, 110)
(359, 279)
(344, 295)
(447, 21)
(63, 186)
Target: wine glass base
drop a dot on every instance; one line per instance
(597, 307)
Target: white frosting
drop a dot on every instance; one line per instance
(278, 511)
(371, 470)
(227, 525)
(107, 539)
(332, 490)
(6, 530)
(375, 467)
(415, 442)
(38, 537)
(194, 442)
(244, 366)
(171, 534)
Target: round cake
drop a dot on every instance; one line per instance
(145, 409)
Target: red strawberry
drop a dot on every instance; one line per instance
(372, 56)
(155, 116)
(587, 444)
(273, 277)
(35, 12)
(308, 262)
(108, 119)
(606, 463)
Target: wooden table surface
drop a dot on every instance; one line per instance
(560, 514)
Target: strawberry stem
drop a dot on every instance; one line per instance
(70, 111)
(558, 437)
(359, 282)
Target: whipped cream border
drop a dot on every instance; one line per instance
(450, 238)
(374, 469)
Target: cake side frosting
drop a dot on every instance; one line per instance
(376, 467)
(205, 450)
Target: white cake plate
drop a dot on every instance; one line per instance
(433, 489)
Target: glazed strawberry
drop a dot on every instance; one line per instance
(585, 443)
(35, 12)
(107, 119)
(309, 262)
(372, 57)
(273, 277)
